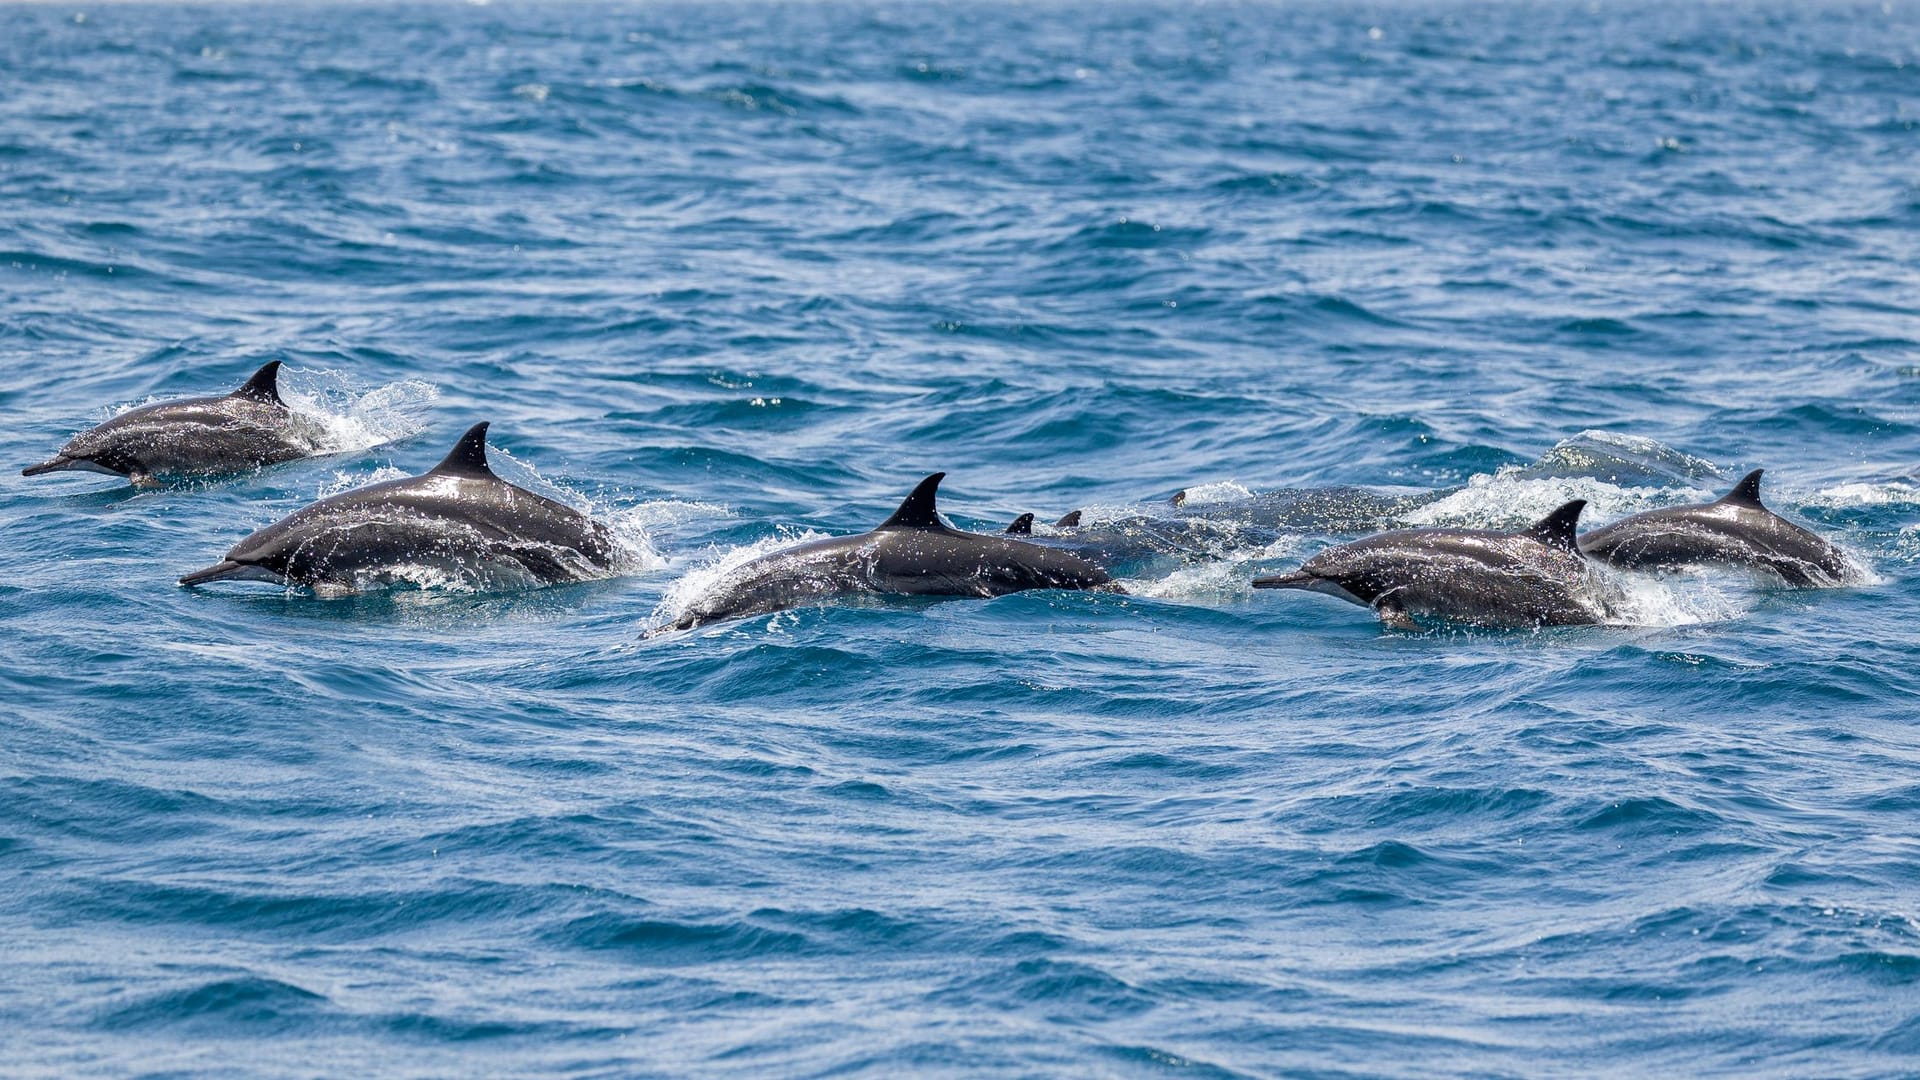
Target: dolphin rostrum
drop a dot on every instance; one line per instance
(1734, 531)
(458, 520)
(1536, 577)
(207, 436)
(912, 553)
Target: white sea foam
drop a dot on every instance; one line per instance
(1504, 499)
(344, 416)
(1840, 496)
(1687, 600)
(711, 569)
(1217, 492)
(1219, 579)
(344, 480)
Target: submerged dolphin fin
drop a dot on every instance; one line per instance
(1070, 520)
(1557, 529)
(468, 457)
(1022, 526)
(264, 386)
(1745, 493)
(918, 511)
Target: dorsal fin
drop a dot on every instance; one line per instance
(468, 456)
(1557, 529)
(1179, 498)
(1746, 493)
(918, 511)
(264, 386)
(1070, 521)
(1022, 526)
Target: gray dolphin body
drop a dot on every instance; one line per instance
(1734, 531)
(912, 553)
(1189, 533)
(209, 436)
(459, 520)
(1340, 509)
(1536, 577)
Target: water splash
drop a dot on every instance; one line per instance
(1510, 499)
(713, 569)
(1686, 600)
(1219, 491)
(1842, 496)
(1220, 579)
(343, 416)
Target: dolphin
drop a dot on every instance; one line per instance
(1338, 509)
(207, 436)
(458, 519)
(912, 553)
(1734, 531)
(1536, 577)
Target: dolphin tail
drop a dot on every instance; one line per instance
(52, 464)
(1299, 579)
(225, 568)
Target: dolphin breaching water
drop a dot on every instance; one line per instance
(912, 553)
(1341, 508)
(1536, 577)
(458, 521)
(208, 436)
(1734, 531)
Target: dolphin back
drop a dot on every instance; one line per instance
(1736, 530)
(247, 429)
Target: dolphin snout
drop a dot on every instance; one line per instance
(52, 464)
(225, 568)
(1298, 579)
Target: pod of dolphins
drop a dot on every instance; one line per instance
(460, 518)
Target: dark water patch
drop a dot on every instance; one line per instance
(1597, 328)
(1647, 817)
(194, 910)
(669, 943)
(1058, 988)
(453, 1031)
(1154, 1060)
(251, 1006)
(1310, 309)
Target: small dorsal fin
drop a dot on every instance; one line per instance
(1022, 526)
(468, 456)
(1179, 498)
(1557, 529)
(1070, 521)
(1746, 492)
(264, 386)
(918, 510)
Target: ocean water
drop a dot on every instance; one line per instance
(734, 274)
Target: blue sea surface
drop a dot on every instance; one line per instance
(734, 274)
